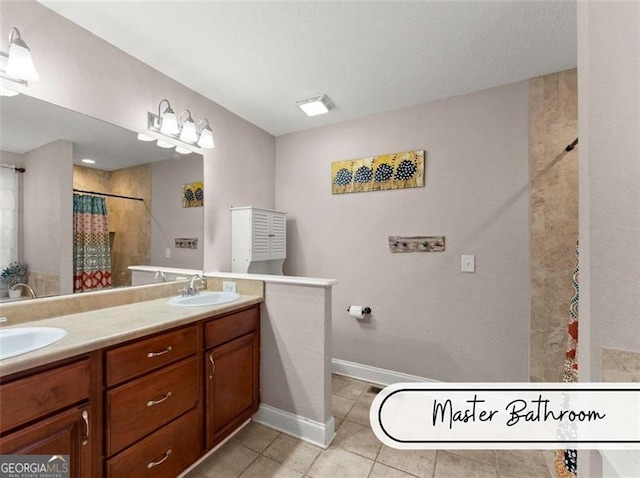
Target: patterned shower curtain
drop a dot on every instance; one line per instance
(91, 250)
(567, 460)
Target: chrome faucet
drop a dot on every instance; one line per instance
(160, 277)
(22, 284)
(192, 289)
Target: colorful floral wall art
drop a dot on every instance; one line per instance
(193, 195)
(379, 173)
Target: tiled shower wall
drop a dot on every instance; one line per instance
(129, 221)
(553, 123)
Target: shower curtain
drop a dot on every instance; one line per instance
(566, 460)
(91, 249)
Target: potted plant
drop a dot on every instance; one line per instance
(15, 273)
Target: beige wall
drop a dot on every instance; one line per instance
(553, 105)
(429, 319)
(47, 218)
(83, 73)
(609, 128)
(609, 180)
(169, 219)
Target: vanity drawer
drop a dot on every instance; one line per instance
(166, 453)
(224, 329)
(144, 355)
(140, 407)
(43, 393)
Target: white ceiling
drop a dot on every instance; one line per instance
(256, 58)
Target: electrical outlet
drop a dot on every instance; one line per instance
(167, 253)
(228, 286)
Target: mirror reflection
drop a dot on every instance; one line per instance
(82, 200)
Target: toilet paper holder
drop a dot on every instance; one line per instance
(365, 310)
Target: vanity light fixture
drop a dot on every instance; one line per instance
(316, 105)
(180, 132)
(188, 133)
(206, 135)
(17, 63)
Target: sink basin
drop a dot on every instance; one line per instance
(20, 340)
(205, 298)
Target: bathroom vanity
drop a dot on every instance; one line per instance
(146, 391)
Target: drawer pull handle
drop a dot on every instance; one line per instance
(85, 418)
(162, 352)
(151, 403)
(160, 461)
(213, 366)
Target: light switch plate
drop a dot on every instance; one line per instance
(468, 263)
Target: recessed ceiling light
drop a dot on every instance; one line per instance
(317, 105)
(88, 161)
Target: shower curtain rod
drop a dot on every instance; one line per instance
(572, 145)
(17, 170)
(107, 194)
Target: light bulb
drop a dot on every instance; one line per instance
(206, 139)
(20, 64)
(169, 123)
(188, 133)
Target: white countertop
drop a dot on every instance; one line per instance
(171, 270)
(275, 279)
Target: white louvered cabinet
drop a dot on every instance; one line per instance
(258, 240)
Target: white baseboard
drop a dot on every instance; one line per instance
(316, 433)
(376, 375)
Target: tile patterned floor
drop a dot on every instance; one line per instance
(260, 452)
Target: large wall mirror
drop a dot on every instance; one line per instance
(141, 196)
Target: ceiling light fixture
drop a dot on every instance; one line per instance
(88, 161)
(316, 105)
(16, 65)
(177, 131)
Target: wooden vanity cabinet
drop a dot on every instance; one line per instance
(152, 404)
(48, 413)
(147, 408)
(232, 370)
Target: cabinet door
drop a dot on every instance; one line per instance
(66, 433)
(278, 236)
(232, 386)
(260, 235)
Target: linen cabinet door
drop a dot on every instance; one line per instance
(232, 386)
